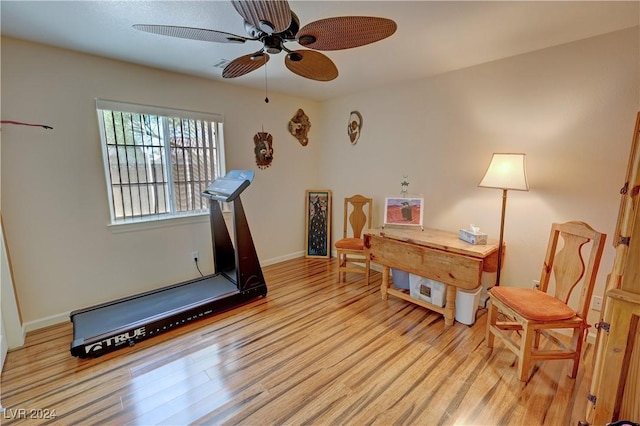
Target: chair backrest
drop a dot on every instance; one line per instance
(357, 213)
(567, 262)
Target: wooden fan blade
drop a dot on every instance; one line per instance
(345, 32)
(192, 33)
(245, 64)
(311, 64)
(267, 15)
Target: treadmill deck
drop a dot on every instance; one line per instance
(143, 309)
(111, 326)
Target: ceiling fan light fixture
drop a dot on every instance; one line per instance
(272, 44)
(295, 56)
(253, 31)
(306, 40)
(266, 26)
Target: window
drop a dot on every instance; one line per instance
(158, 161)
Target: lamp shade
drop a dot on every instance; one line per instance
(506, 171)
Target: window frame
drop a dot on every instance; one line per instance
(172, 217)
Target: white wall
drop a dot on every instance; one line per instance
(570, 108)
(12, 328)
(53, 188)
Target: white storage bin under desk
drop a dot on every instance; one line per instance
(400, 278)
(427, 290)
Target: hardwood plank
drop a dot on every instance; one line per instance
(312, 352)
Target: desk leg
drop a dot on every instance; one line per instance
(450, 307)
(385, 282)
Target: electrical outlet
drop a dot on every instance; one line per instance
(536, 284)
(596, 303)
(195, 255)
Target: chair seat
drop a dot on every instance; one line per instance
(350, 244)
(533, 304)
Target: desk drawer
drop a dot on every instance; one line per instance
(449, 268)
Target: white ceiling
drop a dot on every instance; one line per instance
(432, 37)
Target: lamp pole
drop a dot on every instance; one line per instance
(500, 241)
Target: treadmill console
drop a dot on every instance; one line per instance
(228, 188)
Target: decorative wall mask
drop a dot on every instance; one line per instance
(299, 126)
(354, 126)
(263, 149)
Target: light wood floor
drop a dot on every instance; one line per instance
(312, 352)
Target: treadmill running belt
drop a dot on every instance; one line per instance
(112, 317)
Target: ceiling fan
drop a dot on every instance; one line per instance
(273, 24)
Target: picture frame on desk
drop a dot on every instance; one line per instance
(318, 223)
(404, 211)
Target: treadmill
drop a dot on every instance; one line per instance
(237, 279)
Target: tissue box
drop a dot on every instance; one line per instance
(473, 237)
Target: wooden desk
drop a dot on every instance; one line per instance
(431, 253)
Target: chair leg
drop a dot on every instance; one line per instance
(536, 339)
(340, 265)
(366, 271)
(526, 346)
(492, 316)
(576, 346)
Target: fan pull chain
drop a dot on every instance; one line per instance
(266, 90)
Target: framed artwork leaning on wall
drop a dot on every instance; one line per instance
(318, 223)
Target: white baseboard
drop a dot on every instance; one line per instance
(38, 324)
(20, 341)
(46, 322)
(279, 259)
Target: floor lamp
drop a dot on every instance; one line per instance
(506, 171)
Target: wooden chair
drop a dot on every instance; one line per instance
(350, 249)
(532, 312)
